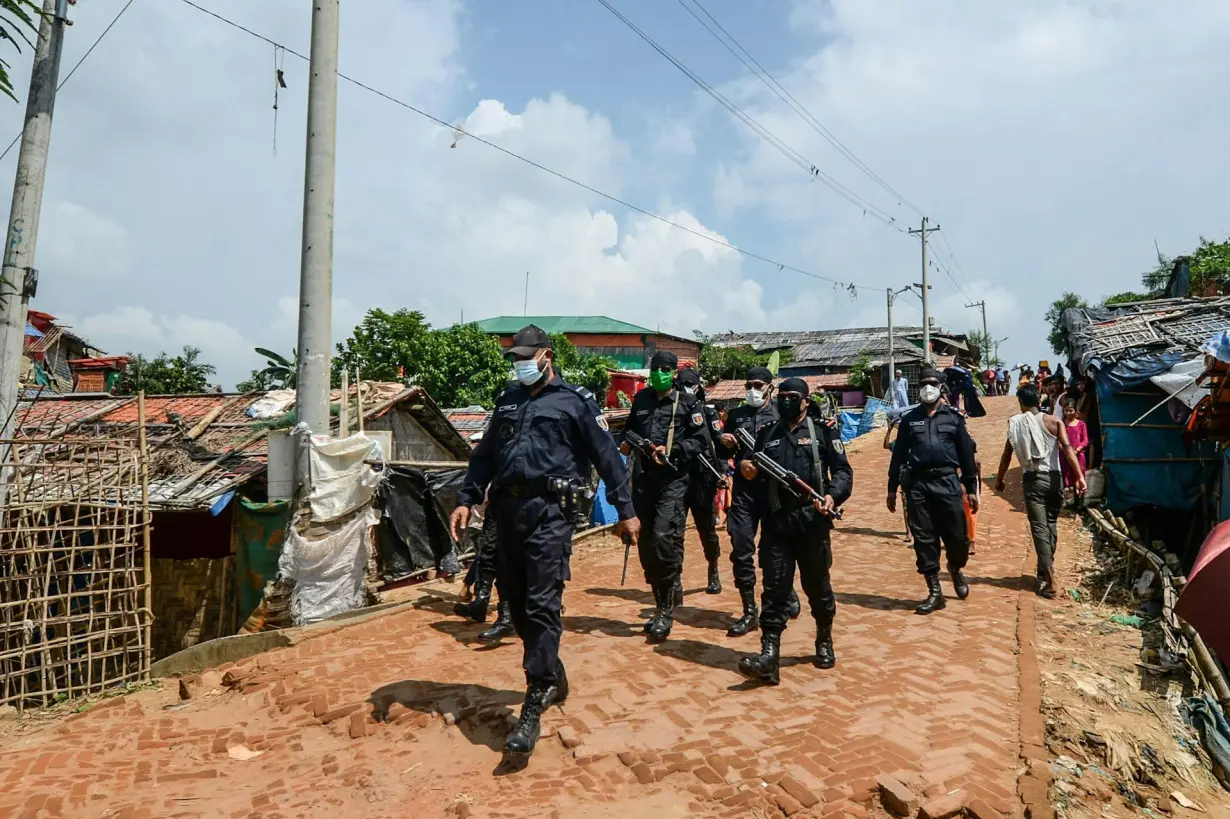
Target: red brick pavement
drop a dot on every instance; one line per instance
(403, 715)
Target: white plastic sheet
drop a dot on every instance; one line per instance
(1180, 382)
(341, 480)
(271, 404)
(328, 568)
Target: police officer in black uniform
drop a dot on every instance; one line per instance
(796, 530)
(673, 422)
(703, 483)
(544, 432)
(481, 575)
(934, 446)
(743, 517)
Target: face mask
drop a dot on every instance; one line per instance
(660, 381)
(755, 398)
(690, 390)
(790, 405)
(527, 372)
(929, 393)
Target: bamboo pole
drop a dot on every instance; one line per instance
(147, 524)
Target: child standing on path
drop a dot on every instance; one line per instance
(1078, 437)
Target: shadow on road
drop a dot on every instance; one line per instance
(876, 601)
(1024, 582)
(863, 530)
(688, 615)
(481, 713)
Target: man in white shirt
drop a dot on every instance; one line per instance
(901, 390)
(1039, 441)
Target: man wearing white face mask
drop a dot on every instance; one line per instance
(935, 448)
(743, 519)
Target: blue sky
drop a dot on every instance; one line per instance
(1053, 141)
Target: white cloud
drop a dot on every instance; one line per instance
(79, 243)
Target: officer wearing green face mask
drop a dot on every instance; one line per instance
(673, 423)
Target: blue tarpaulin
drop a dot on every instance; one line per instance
(603, 512)
(849, 425)
(872, 406)
(1149, 464)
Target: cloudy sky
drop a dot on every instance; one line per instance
(1052, 140)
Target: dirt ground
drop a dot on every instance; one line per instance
(1118, 743)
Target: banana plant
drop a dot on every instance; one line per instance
(279, 371)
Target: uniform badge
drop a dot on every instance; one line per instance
(838, 446)
(717, 426)
(602, 424)
(804, 441)
(698, 419)
(506, 431)
(772, 443)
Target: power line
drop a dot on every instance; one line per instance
(764, 133)
(785, 96)
(70, 74)
(609, 197)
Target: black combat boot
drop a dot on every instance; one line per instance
(793, 606)
(660, 626)
(959, 583)
(524, 737)
(715, 579)
(935, 595)
(678, 591)
(764, 667)
(476, 609)
(825, 658)
(501, 628)
(749, 621)
(657, 608)
(561, 684)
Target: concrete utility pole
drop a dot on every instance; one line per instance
(925, 289)
(986, 337)
(892, 363)
(20, 279)
(316, 269)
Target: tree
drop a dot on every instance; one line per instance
(1058, 337)
(16, 17)
(257, 381)
(1209, 266)
(725, 363)
(280, 371)
(185, 374)
(382, 346)
(1126, 297)
(582, 369)
(459, 366)
(986, 349)
(860, 372)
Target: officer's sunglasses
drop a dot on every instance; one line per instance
(755, 385)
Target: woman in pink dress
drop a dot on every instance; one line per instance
(1078, 436)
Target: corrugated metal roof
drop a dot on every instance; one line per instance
(508, 325)
(734, 389)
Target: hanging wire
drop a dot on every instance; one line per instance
(279, 82)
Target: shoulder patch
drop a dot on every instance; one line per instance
(838, 446)
(698, 419)
(602, 424)
(717, 425)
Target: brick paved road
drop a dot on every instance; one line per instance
(403, 715)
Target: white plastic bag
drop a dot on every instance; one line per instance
(271, 404)
(327, 570)
(342, 481)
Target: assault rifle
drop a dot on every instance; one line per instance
(646, 448)
(789, 481)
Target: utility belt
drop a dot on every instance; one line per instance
(567, 492)
(929, 473)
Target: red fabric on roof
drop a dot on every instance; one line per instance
(732, 389)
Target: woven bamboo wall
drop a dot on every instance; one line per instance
(194, 601)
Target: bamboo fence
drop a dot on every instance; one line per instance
(74, 567)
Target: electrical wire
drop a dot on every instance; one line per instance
(785, 96)
(84, 56)
(850, 286)
(764, 133)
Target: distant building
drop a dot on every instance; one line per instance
(629, 345)
(58, 361)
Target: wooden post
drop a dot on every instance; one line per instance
(147, 523)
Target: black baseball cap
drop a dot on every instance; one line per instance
(793, 385)
(689, 378)
(664, 360)
(529, 340)
(760, 374)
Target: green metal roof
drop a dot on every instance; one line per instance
(508, 325)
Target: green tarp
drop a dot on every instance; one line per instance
(257, 538)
